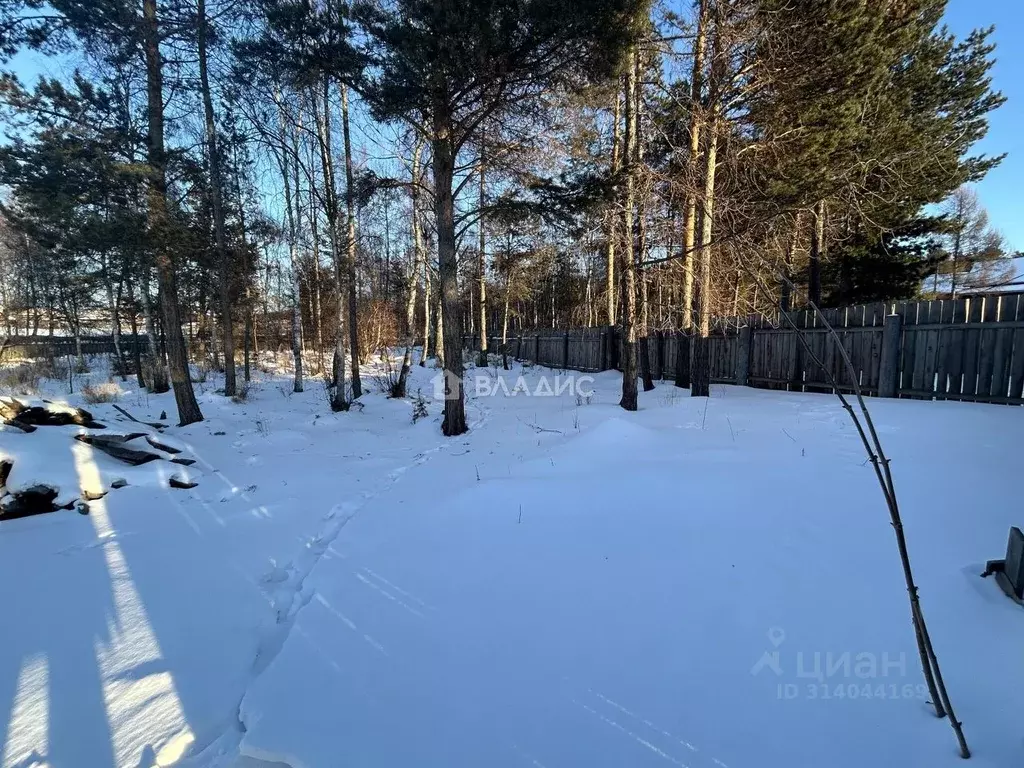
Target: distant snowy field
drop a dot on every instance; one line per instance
(703, 583)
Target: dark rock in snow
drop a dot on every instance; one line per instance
(161, 446)
(13, 410)
(152, 424)
(34, 500)
(110, 439)
(117, 449)
(19, 425)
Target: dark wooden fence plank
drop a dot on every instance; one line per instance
(942, 350)
(62, 346)
(970, 349)
(972, 344)
(955, 356)
(908, 315)
(986, 353)
(1001, 355)
(1016, 375)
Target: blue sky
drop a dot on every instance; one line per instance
(1002, 191)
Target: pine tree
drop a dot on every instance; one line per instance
(214, 165)
(118, 26)
(891, 267)
(864, 112)
(447, 67)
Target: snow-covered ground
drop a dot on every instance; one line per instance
(703, 583)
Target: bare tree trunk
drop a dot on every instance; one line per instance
(318, 327)
(612, 217)
(350, 248)
(426, 311)
(159, 224)
(115, 322)
(80, 366)
(316, 300)
(785, 291)
(628, 262)
(700, 385)
(134, 323)
(339, 400)
(690, 211)
(444, 209)
(158, 370)
(736, 296)
(32, 294)
(588, 299)
(957, 250)
(249, 309)
(438, 326)
(214, 346)
(817, 249)
(660, 277)
(641, 226)
(198, 335)
(483, 258)
(290, 204)
(296, 281)
(216, 198)
(419, 256)
(247, 347)
(504, 320)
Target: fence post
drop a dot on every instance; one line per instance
(889, 366)
(795, 361)
(743, 356)
(682, 373)
(536, 349)
(565, 352)
(659, 352)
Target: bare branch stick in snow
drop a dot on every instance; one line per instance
(880, 462)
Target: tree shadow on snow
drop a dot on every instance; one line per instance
(77, 616)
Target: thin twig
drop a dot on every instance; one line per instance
(880, 463)
(872, 448)
(538, 428)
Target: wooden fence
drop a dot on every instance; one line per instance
(64, 346)
(969, 349)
